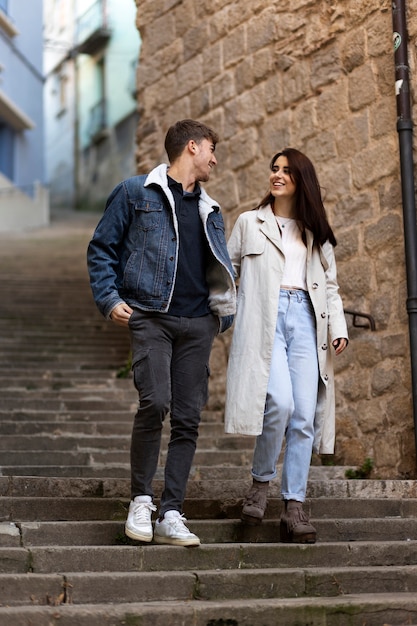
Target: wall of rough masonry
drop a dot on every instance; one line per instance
(317, 75)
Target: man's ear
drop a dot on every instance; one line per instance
(192, 147)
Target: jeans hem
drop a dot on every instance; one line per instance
(264, 478)
(293, 496)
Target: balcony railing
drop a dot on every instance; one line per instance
(6, 22)
(92, 32)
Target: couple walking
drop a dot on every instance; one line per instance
(160, 266)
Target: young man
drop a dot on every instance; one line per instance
(158, 263)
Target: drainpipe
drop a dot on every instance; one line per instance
(405, 134)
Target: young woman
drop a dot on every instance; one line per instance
(289, 321)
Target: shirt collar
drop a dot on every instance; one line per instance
(174, 185)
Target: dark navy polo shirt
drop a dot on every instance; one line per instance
(190, 297)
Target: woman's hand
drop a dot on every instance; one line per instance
(339, 345)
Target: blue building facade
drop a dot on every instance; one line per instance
(91, 53)
(23, 197)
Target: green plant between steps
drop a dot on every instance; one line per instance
(124, 371)
(362, 472)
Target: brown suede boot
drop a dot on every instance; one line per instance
(295, 526)
(255, 503)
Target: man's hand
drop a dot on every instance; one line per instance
(120, 314)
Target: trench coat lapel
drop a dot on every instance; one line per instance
(269, 226)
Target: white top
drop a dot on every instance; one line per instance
(295, 253)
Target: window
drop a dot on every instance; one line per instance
(62, 91)
(7, 151)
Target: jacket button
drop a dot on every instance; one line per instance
(323, 315)
(315, 285)
(324, 346)
(171, 258)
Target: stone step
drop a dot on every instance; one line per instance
(87, 414)
(98, 456)
(219, 481)
(46, 388)
(37, 416)
(109, 532)
(221, 556)
(90, 427)
(390, 609)
(197, 505)
(98, 470)
(392, 497)
(62, 374)
(55, 404)
(103, 429)
(14, 382)
(20, 458)
(110, 359)
(67, 441)
(62, 339)
(204, 585)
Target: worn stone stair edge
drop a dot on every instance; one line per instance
(235, 555)
(272, 583)
(224, 530)
(34, 509)
(371, 609)
(406, 489)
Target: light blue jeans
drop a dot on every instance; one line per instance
(291, 397)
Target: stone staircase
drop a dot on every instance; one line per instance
(65, 420)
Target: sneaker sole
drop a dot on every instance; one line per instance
(137, 537)
(177, 542)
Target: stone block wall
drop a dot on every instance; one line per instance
(319, 76)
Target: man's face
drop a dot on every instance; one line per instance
(204, 159)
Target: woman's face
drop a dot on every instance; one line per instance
(281, 184)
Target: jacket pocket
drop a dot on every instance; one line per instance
(148, 214)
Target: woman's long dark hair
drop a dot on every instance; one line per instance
(309, 209)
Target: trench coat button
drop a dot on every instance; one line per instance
(326, 377)
(323, 315)
(315, 285)
(324, 346)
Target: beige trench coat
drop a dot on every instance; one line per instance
(255, 248)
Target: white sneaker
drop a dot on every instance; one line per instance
(173, 531)
(139, 524)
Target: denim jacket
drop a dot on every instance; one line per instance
(133, 254)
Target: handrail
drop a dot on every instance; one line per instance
(371, 321)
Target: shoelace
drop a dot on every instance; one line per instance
(178, 523)
(142, 511)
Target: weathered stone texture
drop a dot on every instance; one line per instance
(318, 76)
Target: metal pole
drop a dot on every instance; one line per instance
(405, 134)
